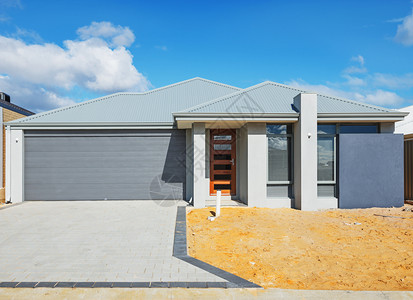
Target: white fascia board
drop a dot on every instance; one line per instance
(234, 116)
(91, 125)
(361, 117)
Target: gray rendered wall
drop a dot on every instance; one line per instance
(370, 170)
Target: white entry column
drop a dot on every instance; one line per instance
(199, 165)
(305, 152)
(257, 164)
(14, 165)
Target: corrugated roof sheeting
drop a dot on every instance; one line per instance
(270, 97)
(153, 106)
(193, 96)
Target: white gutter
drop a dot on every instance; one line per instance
(91, 125)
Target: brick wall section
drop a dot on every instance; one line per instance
(8, 116)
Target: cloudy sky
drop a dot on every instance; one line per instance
(56, 53)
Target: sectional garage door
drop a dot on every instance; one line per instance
(99, 165)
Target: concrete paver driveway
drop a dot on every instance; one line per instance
(92, 241)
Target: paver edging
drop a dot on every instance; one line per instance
(180, 251)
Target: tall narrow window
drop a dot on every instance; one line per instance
(326, 159)
(279, 153)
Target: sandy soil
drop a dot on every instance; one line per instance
(292, 249)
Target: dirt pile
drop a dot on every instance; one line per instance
(361, 249)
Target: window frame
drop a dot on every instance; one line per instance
(291, 162)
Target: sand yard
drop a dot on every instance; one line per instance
(285, 248)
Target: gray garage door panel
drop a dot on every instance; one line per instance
(96, 165)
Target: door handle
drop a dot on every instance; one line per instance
(232, 160)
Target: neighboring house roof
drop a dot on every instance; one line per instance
(406, 126)
(13, 107)
(271, 97)
(155, 106)
(194, 97)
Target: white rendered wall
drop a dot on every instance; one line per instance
(243, 164)
(387, 127)
(189, 166)
(199, 166)
(8, 169)
(14, 166)
(257, 164)
(1, 150)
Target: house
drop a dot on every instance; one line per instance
(8, 112)
(269, 145)
(406, 127)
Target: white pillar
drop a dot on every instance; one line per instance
(189, 166)
(8, 160)
(4, 145)
(199, 186)
(14, 166)
(305, 152)
(257, 164)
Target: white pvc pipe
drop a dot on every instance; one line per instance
(218, 207)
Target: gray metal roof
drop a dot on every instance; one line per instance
(194, 96)
(155, 106)
(271, 97)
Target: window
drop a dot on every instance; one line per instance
(359, 128)
(325, 159)
(326, 153)
(279, 139)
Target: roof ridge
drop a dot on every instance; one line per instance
(50, 112)
(222, 98)
(186, 81)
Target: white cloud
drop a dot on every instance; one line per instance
(377, 97)
(354, 81)
(31, 96)
(393, 81)
(11, 3)
(404, 33)
(30, 36)
(380, 97)
(356, 69)
(115, 35)
(320, 88)
(52, 71)
(359, 59)
(163, 48)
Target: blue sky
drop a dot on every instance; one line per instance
(56, 53)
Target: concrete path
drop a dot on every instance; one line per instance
(182, 294)
(92, 241)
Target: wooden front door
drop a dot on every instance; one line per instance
(223, 161)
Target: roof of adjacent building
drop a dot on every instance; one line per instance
(193, 96)
(406, 126)
(15, 108)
